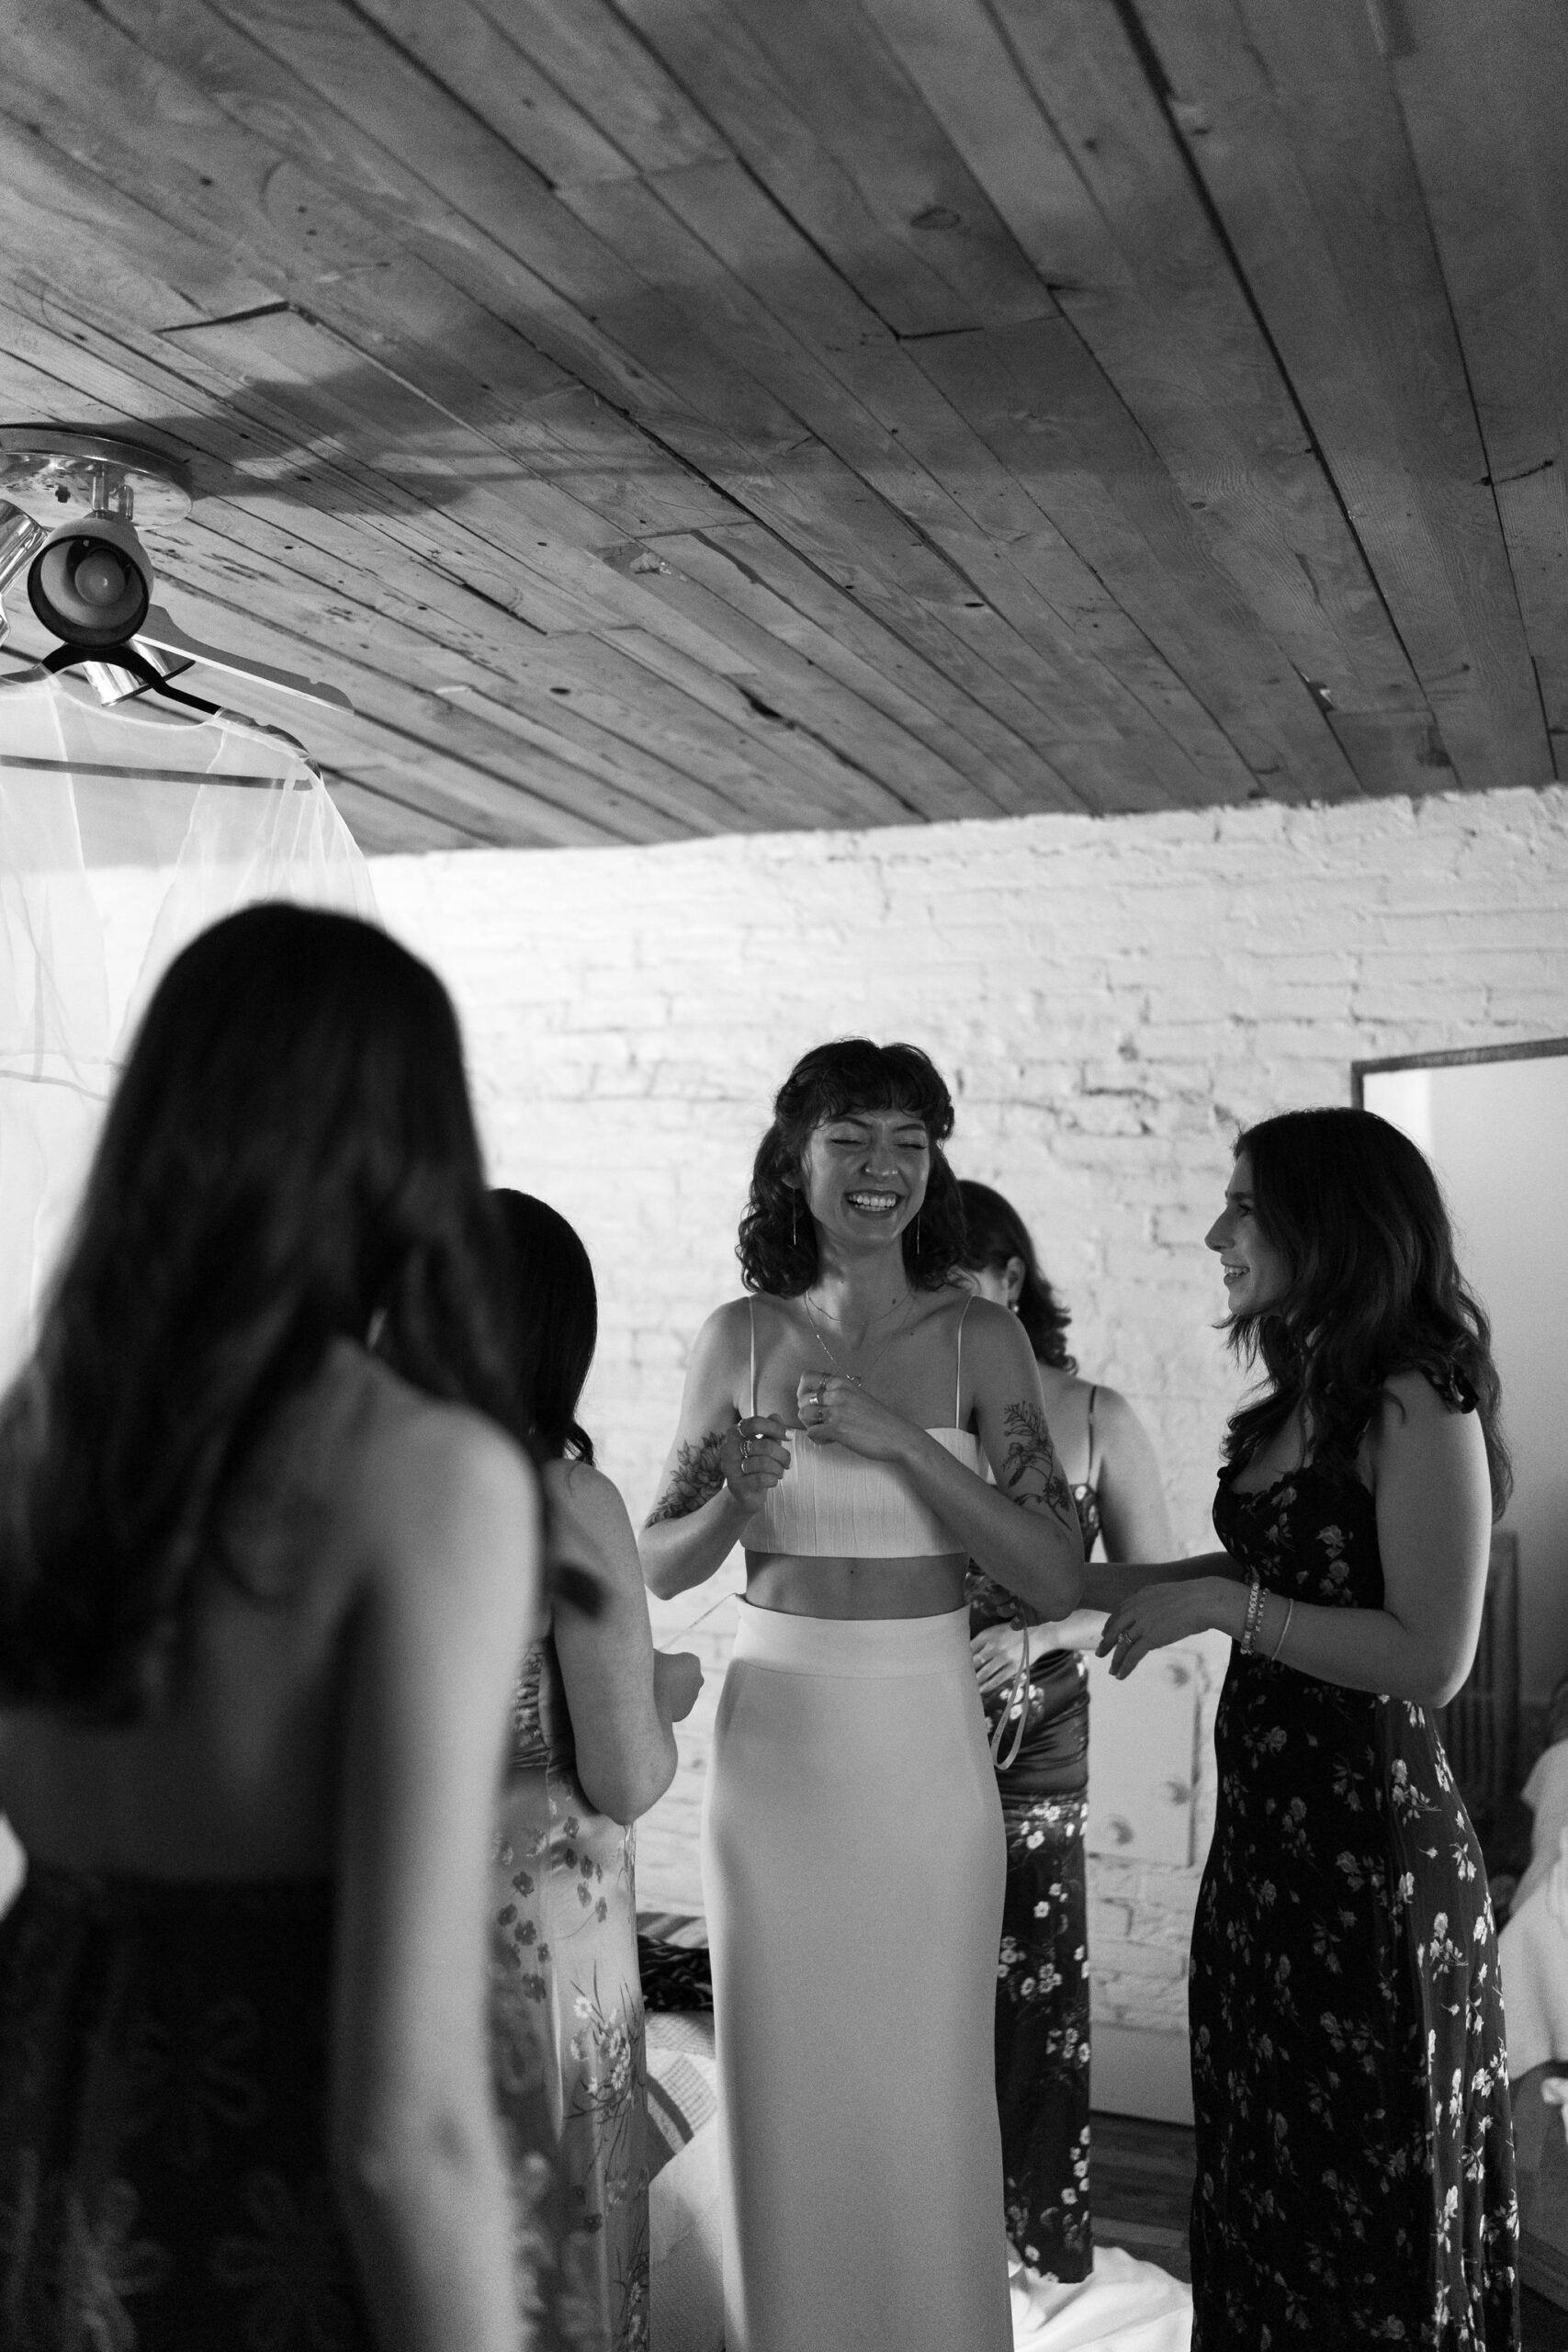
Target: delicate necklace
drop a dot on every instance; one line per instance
(870, 1321)
(857, 1379)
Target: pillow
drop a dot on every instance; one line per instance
(686, 2282)
(682, 2095)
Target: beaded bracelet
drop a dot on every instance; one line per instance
(1254, 1611)
(1290, 1613)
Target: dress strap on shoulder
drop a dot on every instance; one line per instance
(751, 1316)
(958, 1376)
(1089, 1474)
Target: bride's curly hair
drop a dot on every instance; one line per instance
(290, 1157)
(777, 1247)
(1354, 1210)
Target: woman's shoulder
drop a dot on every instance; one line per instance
(1426, 1394)
(726, 1330)
(1113, 1410)
(1425, 1406)
(405, 1458)
(377, 1409)
(1424, 1427)
(991, 1333)
(580, 1496)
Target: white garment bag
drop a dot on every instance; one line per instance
(124, 831)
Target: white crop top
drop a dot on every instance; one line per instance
(832, 1504)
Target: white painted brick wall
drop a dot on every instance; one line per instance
(1107, 999)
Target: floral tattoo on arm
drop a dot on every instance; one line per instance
(1031, 1471)
(697, 1477)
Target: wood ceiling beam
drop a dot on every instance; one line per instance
(1167, 322)
(1294, 127)
(1484, 94)
(880, 555)
(274, 228)
(677, 416)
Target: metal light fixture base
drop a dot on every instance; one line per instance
(57, 476)
(53, 476)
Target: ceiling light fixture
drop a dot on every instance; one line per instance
(69, 502)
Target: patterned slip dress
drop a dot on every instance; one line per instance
(1355, 2163)
(1042, 1994)
(567, 1996)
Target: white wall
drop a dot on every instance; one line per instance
(1498, 1135)
(1109, 999)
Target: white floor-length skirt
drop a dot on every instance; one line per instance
(853, 1863)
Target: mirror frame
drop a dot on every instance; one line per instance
(1527, 1050)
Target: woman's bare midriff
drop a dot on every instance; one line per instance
(928, 1586)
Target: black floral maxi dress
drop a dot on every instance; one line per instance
(1043, 1995)
(166, 2181)
(1355, 2174)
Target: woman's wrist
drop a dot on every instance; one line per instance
(910, 1443)
(733, 1512)
(1227, 1606)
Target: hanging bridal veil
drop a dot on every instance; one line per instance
(124, 831)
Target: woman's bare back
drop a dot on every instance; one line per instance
(235, 1776)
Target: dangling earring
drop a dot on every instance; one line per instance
(916, 1233)
(794, 1211)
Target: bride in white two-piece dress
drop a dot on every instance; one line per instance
(837, 1424)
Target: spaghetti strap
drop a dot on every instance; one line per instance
(751, 1313)
(958, 1378)
(1089, 1474)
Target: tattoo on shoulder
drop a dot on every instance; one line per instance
(1031, 1456)
(697, 1477)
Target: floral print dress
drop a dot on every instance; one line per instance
(163, 2175)
(568, 1996)
(1355, 2164)
(1042, 1990)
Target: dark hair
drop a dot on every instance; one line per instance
(1355, 1211)
(777, 1248)
(556, 1318)
(995, 1233)
(289, 1157)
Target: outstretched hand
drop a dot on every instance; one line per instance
(1154, 1617)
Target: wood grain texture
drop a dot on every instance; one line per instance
(1294, 125)
(1483, 99)
(665, 417)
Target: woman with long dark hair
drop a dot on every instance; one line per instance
(1355, 2154)
(1035, 1683)
(262, 1597)
(591, 1749)
(838, 1422)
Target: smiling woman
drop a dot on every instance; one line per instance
(1343, 1955)
(839, 1423)
(1254, 1268)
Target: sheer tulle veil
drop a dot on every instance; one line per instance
(124, 831)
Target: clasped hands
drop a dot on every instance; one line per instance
(834, 1412)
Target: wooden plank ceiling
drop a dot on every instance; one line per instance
(666, 418)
